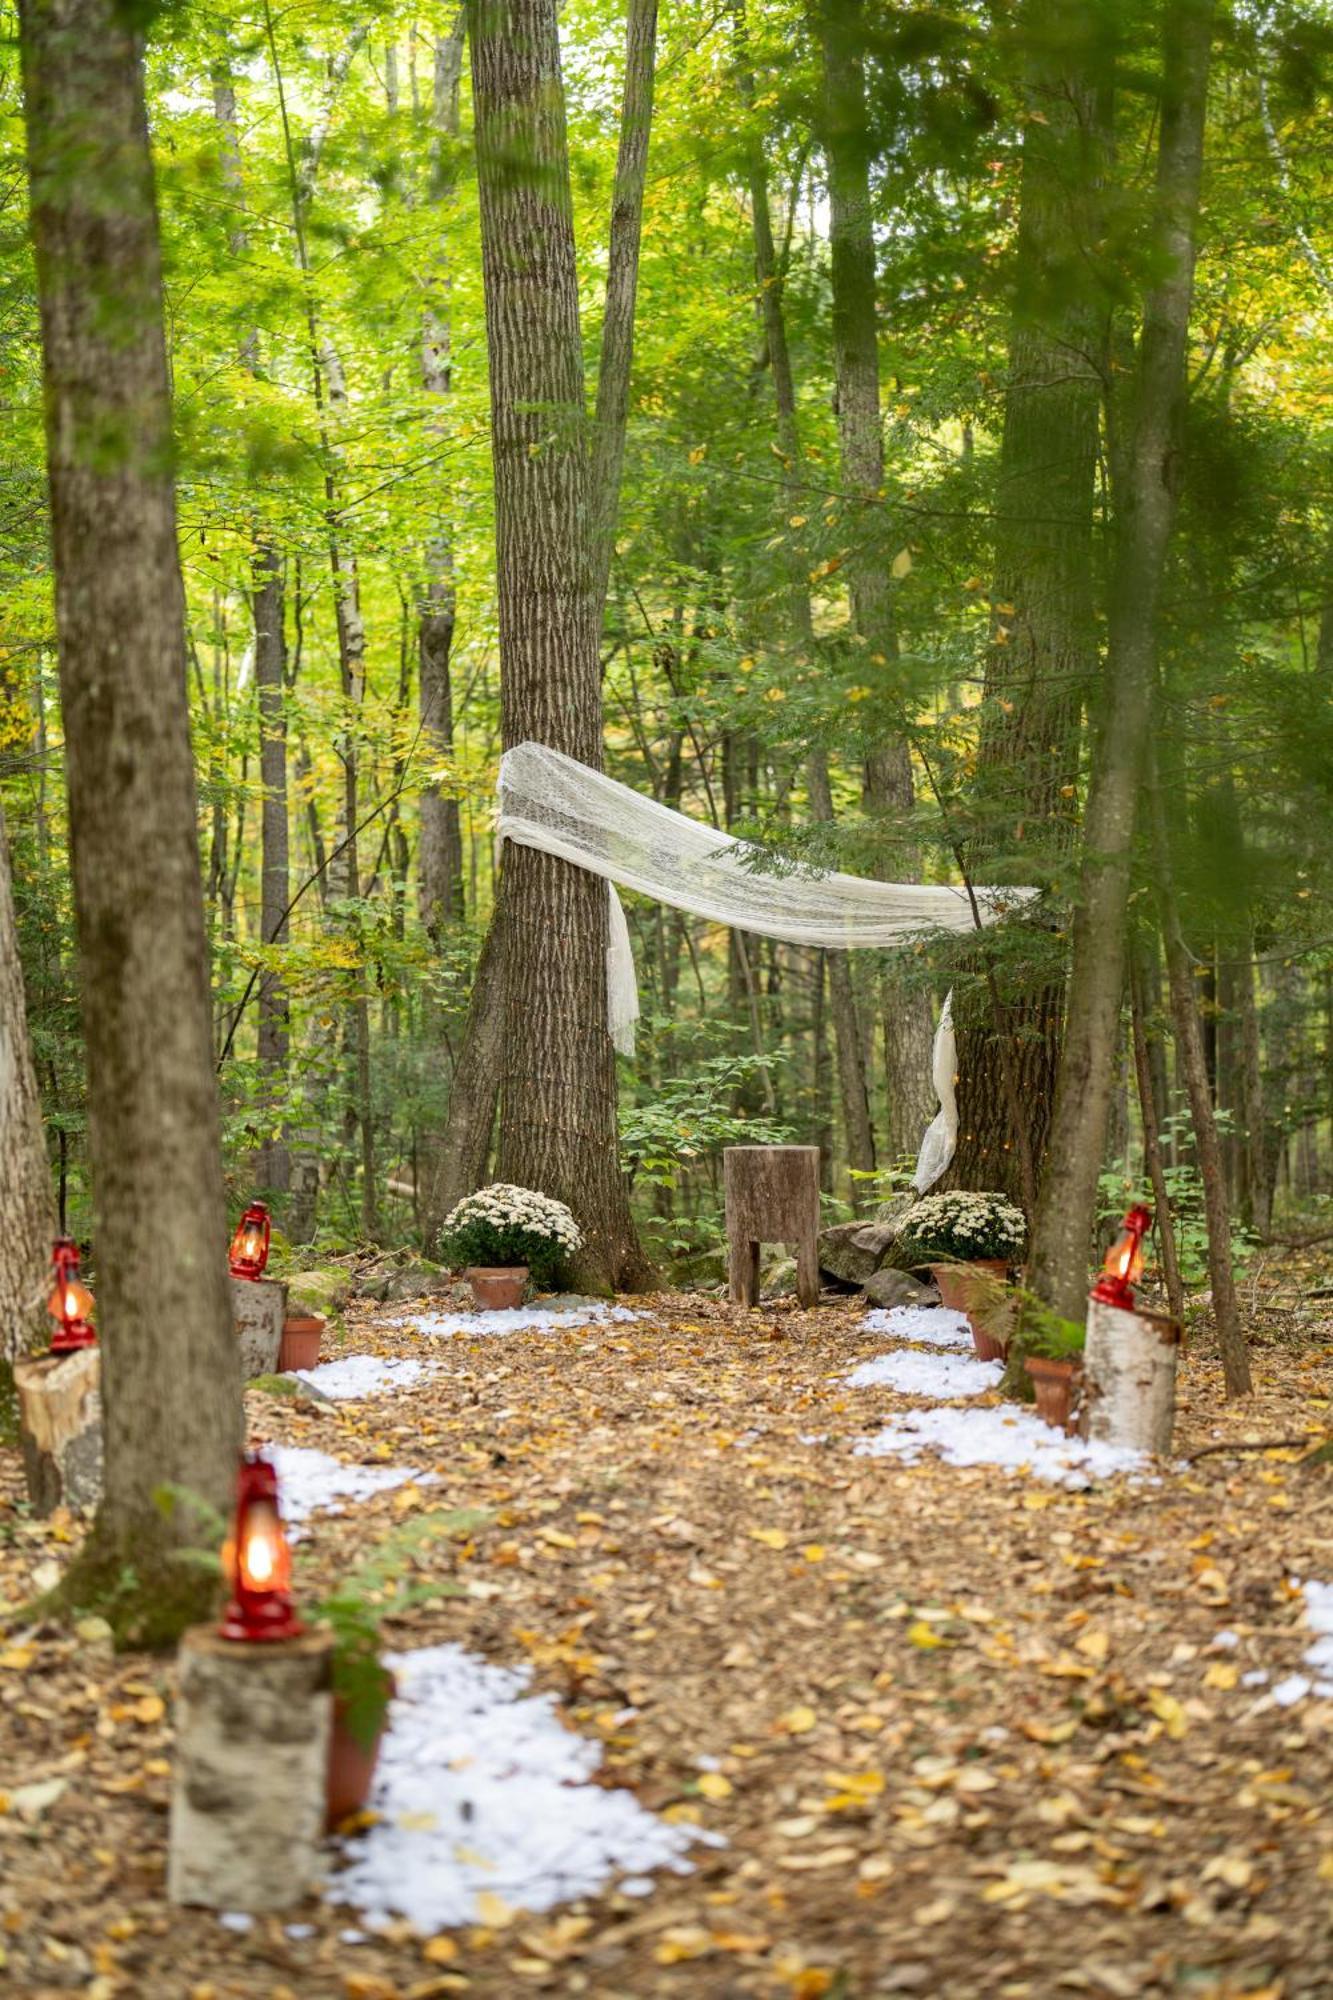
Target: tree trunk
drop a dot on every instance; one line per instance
(267, 599)
(1189, 1045)
(889, 790)
(457, 1165)
(471, 1109)
(25, 1240)
(558, 1089)
(1042, 651)
(440, 851)
(1150, 1113)
(172, 1404)
(858, 1134)
(268, 610)
(1058, 1263)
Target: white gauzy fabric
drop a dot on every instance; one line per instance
(937, 1148)
(553, 802)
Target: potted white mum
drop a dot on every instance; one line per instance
(501, 1236)
(966, 1238)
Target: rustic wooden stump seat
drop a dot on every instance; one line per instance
(772, 1196)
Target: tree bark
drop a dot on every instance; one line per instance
(1042, 650)
(858, 1133)
(25, 1240)
(1058, 1263)
(440, 849)
(558, 1089)
(172, 1402)
(268, 611)
(889, 789)
(1152, 1146)
(1189, 1047)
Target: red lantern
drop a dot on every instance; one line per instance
(257, 1560)
(249, 1246)
(1122, 1267)
(70, 1301)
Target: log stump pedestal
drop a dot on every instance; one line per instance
(1129, 1377)
(772, 1196)
(252, 1753)
(60, 1425)
(259, 1306)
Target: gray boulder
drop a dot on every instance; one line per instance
(853, 1251)
(891, 1287)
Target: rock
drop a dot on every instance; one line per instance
(876, 1239)
(324, 1291)
(417, 1279)
(890, 1287)
(778, 1281)
(845, 1257)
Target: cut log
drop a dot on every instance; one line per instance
(60, 1424)
(252, 1749)
(772, 1196)
(1129, 1377)
(259, 1306)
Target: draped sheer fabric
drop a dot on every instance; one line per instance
(553, 802)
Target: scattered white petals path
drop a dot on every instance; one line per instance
(522, 1319)
(313, 1482)
(481, 1791)
(928, 1326)
(1319, 1617)
(1004, 1435)
(928, 1374)
(360, 1375)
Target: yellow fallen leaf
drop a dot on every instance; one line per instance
(813, 1552)
(1049, 1732)
(920, 1634)
(18, 1657)
(151, 1709)
(1093, 1645)
(1221, 1675)
(493, 1911)
(772, 1538)
(799, 1721)
(1168, 1712)
(557, 1538)
(1233, 1869)
(440, 1950)
(714, 1786)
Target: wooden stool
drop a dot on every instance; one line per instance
(772, 1196)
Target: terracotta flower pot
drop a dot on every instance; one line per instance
(1054, 1383)
(351, 1763)
(301, 1335)
(955, 1290)
(497, 1289)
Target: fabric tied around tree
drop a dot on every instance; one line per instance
(553, 802)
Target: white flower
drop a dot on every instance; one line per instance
(503, 1206)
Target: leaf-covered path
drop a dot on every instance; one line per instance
(962, 1732)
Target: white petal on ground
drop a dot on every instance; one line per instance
(481, 1789)
(313, 1482)
(1013, 1439)
(358, 1375)
(913, 1374)
(522, 1319)
(928, 1326)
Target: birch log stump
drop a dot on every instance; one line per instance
(259, 1306)
(60, 1425)
(772, 1196)
(252, 1752)
(1129, 1377)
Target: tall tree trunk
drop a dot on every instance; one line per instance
(476, 1073)
(171, 1383)
(1150, 1112)
(440, 850)
(268, 610)
(25, 1240)
(857, 1130)
(267, 600)
(1058, 1264)
(1189, 1045)
(558, 1089)
(888, 773)
(1042, 652)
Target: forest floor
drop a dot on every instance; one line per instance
(963, 1733)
